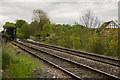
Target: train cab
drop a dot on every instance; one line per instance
(11, 33)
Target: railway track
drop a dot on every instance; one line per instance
(73, 68)
(108, 65)
(96, 57)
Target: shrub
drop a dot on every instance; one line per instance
(96, 45)
(112, 46)
(6, 56)
(17, 65)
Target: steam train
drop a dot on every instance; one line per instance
(9, 33)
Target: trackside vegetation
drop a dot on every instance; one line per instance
(16, 64)
(76, 36)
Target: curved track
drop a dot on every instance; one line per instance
(75, 67)
(96, 57)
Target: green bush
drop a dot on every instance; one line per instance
(21, 67)
(96, 45)
(6, 56)
(17, 65)
(111, 46)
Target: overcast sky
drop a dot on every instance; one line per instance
(59, 11)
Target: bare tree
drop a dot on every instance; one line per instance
(89, 20)
(40, 16)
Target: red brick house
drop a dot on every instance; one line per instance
(108, 29)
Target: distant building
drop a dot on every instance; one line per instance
(108, 29)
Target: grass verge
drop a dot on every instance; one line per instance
(16, 64)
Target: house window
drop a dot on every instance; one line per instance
(112, 25)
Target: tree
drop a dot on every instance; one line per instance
(47, 30)
(96, 45)
(89, 20)
(33, 27)
(8, 24)
(23, 32)
(40, 16)
(19, 23)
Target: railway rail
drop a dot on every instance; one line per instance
(71, 67)
(96, 57)
(109, 65)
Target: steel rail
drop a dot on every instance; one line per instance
(96, 70)
(84, 53)
(62, 69)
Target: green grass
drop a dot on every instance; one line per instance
(17, 65)
(0, 62)
(7, 55)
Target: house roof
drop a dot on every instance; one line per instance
(105, 24)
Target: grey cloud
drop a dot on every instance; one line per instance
(60, 0)
(59, 12)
